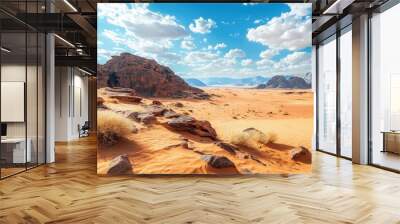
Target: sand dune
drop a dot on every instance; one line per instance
(156, 149)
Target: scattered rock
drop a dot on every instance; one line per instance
(301, 154)
(190, 124)
(156, 102)
(133, 115)
(178, 104)
(227, 147)
(146, 118)
(217, 161)
(155, 110)
(171, 114)
(285, 113)
(129, 99)
(234, 117)
(253, 130)
(119, 165)
(114, 90)
(185, 144)
(191, 111)
(201, 96)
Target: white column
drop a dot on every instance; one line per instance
(360, 90)
(50, 100)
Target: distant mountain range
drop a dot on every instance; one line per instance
(285, 82)
(226, 81)
(307, 77)
(195, 83)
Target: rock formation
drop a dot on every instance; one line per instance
(217, 161)
(284, 82)
(301, 154)
(145, 76)
(119, 165)
(191, 125)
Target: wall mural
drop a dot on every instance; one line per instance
(196, 88)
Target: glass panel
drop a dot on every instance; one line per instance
(385, 93)
(327, 96)
(31, 98)
(13, 86)
(346, 94)
(41, 99)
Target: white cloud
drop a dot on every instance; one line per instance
(263, 63)
(205, 40)
(145, 32)
(106, 54)
(202, 26)
(195, 57)
(257, 21)
(269, 53)
(235, 53)
(300, 9)
(246, 62)
(249, 3)
(298, 57)
(220, 46)
(295, 63)
(188, 44)
(291, 30)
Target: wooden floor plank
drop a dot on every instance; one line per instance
(69, 191)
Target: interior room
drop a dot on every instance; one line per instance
(49, 102)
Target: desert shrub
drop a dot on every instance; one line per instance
(252, 138)
(112, 126)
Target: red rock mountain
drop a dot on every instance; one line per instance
(145, 76)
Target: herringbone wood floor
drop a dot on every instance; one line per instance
(69, 191)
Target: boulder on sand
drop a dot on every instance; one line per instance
(145, 118)
(120, 91)
(171, 114)
(217, 161)
(191, 125)
(156, 102)
(178, 104)
(227, 147)
(119, 165)
(155, 110)
(301, 154)
(127, 99)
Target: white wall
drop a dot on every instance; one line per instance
(71, 94)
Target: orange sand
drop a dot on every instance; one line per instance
(287, 113)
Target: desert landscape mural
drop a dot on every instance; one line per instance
(181, 93)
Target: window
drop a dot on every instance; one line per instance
(327, 96)
(346, 93)
(385, 89)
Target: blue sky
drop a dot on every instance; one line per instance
(201, 40)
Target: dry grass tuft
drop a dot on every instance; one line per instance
(112, 126)
(253, 138)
